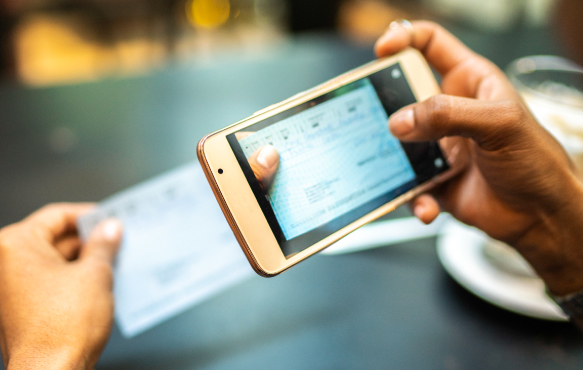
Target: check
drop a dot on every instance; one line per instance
(177, 248)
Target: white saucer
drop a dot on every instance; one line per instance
(460, 250)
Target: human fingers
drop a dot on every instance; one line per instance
(102, 246)
(264, 169)
(441, 49)
(264, 163)
(491, 124)
(425, 208)
(57, 218)
(69, 246)
(463, 71)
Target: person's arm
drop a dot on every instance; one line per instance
(56, 301)
(520, 186)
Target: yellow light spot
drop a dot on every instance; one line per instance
(208, 13)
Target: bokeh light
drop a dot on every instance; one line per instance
(208, 13)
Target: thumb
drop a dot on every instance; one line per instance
(264, 163)
(103, 243)
(491, 124)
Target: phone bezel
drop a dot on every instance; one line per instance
(237, 199)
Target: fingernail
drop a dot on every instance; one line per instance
(402, 122)
(267, 156)
(110, 229)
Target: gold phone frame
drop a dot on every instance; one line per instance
(238, 201)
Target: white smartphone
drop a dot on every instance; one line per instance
(339, 166)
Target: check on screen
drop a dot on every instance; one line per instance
(334, 157)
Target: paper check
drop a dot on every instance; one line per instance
(334, 157)
(177, 248)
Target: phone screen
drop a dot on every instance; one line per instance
(338, 160)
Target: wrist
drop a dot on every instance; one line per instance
(554, 246)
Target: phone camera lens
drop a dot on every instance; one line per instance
(220, 171)
(438, 162)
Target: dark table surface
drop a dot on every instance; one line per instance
(393, 307)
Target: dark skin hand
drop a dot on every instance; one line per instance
(520, 186)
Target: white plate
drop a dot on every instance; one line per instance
(460, 250)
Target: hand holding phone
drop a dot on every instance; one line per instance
(338, 166)
(520, 186)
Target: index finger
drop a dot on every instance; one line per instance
(441, 49)
(57, 218)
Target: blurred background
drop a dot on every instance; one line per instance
(99, 95)
(46, 42)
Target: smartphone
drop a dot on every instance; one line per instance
(339, 166)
